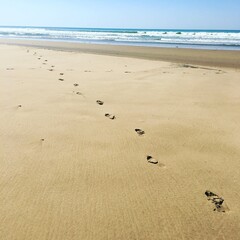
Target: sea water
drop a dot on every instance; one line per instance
(207, 39)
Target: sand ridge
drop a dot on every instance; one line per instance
(68, 172)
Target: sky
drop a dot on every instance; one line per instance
(152, 14)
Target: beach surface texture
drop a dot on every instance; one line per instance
(108, 142)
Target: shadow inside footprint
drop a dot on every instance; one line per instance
(110, 116)
(60, 79)
(75, 84)
(217, 201)
(61, 74)
(140, 132)
(99, 102)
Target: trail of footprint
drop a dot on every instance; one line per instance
(110, 116)
(99, 102)
(152, 160)
(220, 206)
(139, 131)
(79, 93)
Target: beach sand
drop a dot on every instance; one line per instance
(69, 172)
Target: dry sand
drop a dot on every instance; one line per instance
(68, 172)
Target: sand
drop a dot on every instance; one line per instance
(226, 58)
(69, 172)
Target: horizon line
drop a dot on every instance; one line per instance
(200, 29)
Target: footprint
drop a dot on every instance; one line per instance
(75, 84)
(99, 102)
(19, 106)
(46, 60)
(60, 79)
(61, 74)
(10, 69)
(50, 70)
(39, 58)
(217, 201)
(152, 160)
(140, 132)
(52, 66)
(127, 72)
(81, 94)
(110, 116)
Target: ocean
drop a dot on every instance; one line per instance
(206, 39)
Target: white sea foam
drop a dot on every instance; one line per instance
(117, 35)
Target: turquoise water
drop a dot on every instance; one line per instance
(208, 39)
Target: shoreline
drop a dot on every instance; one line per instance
(213, 58)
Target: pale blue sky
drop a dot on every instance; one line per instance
(179, 14)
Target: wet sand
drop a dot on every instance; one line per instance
(230, 59)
